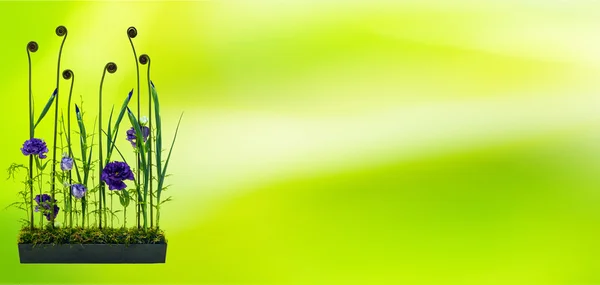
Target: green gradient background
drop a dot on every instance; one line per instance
(357, 142)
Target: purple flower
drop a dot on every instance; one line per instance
(66, 163)
(44, 198)
(114, 173)
(78, 190)
(131, 137)
(35, 147)
(46, 202)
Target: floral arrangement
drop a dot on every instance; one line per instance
(64, 195)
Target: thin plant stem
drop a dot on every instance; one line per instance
(132, 33)
(62, 175)
(68, 74)
(111, 67)
(40, 181)
(111, 210)
(101, 186)
(96, 202)
(60, 31)
(31, 47)
(125, 216)
(144, 58)
(76, 216)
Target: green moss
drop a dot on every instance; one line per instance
(91, 236)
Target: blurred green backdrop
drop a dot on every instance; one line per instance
(330, 142)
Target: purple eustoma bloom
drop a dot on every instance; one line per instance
(131, 137)
(35, 147)
(44, 198)
(66, 163)
(78, 190)
(45, 201)
(114, 173)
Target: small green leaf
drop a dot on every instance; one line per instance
(139, 139)
(158, 123)
(118, 122)
(47, 107)
(109, 135)
(124, 198)
(169, 199)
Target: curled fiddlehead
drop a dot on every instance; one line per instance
(32, 46)
(131, 32)
(61, 31)
(67, 74)
(111, 67)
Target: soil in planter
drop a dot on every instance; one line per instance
(51, 235)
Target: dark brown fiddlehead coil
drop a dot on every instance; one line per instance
(131, 32)
(67, 74)
(32, 46)
(61, 31)
(111, 67)
(144, 59)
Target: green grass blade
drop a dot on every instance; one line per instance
(138, 138)
(109, 135)
(82, 136)
(158, 147)
(118, 122)
(46, 108)
(118, 151)
(140, 145)
(164, 171)
(89, 162)
(74, 160)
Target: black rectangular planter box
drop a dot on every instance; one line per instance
(93, 253)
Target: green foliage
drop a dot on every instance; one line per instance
(76, 212)
(91, 235)
(46, 108)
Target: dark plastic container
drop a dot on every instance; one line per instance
(93, 253)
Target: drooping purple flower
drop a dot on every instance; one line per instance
(131, 137)
(78, 190)
(45, 202)
(114, 173)
(66, 163)
(35, 147)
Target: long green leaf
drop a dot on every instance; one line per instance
(139, 139)
(141, 148)
(46, 108)
(82, 140)
(118, 122)
(118, 151)
(109, 135)
(87, 168)
(164, 171)
(158, 147)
